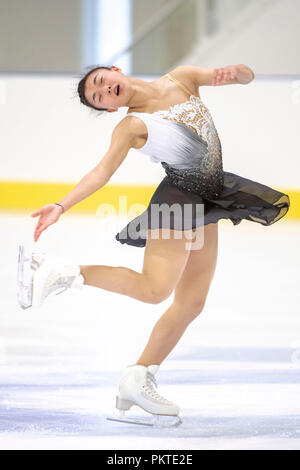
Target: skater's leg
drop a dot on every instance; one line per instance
(189, 299)
(164, 262)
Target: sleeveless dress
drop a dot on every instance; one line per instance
(185, 141)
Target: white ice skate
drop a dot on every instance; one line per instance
(40, 275)
(137, 388)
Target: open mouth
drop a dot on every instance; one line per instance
(117, 90)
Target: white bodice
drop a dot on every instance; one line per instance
(184, 136)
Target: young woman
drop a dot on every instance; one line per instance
(167, 121)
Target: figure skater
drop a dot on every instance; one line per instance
(168, 121)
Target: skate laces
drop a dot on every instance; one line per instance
(151, 379)
(150, 391)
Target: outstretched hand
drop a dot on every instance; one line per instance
(49, 214)
(232, 74)
(223, 75)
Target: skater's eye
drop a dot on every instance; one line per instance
(100, 97)
(95, 78)
(94, 94)
(94, 81)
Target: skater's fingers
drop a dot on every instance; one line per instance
(41, 229)
(35, 213)
(37, 235)
(220, 75)
(227, 74)
(38, 230)
(38, 227)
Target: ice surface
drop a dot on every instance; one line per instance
(235, 373)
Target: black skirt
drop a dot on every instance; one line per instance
(240, 199)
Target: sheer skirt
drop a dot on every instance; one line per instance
(240, 199)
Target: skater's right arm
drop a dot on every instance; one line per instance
(123, 138)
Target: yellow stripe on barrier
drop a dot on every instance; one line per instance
(33, 195)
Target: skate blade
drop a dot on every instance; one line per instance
(158, 421)
(24, 280)
(27, 265)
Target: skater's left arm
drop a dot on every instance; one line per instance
(229, 75)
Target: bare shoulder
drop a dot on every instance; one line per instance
(132, 123)
(132, 129)
(186, 74)
(129, 126)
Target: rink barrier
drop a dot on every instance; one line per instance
(33, 195)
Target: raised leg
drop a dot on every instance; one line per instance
(189, 299)
(164, 262)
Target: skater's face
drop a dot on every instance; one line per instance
(106, 89)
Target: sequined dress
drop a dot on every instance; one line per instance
(185, 141)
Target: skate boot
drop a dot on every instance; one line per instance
(40, 275)
(138, 387)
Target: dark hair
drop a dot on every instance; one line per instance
(81, 86)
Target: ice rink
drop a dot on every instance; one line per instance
(235, 373)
